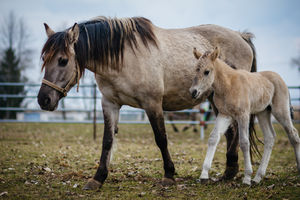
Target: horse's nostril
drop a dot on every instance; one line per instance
(194, 93)
(47, 101)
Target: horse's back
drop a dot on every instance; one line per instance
(235, 50)
(177, 60)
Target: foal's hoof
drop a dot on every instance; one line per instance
(168, 181)
(256, 180)
(247, 181)
(92, 184)
(204, 181)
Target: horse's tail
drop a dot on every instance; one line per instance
(247, 36)
(253, 138)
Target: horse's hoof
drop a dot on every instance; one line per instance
(168, 181)
(92, 184)
(230, 172)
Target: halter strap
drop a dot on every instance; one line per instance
(67, 88)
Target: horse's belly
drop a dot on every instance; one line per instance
(172, 102)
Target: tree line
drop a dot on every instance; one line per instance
(15, 57)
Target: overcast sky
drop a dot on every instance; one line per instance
(275, 23)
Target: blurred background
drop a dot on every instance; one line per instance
(275, 24)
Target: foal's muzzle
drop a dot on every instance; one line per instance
(195, 93)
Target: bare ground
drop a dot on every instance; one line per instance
(54, 161)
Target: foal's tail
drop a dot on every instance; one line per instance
(291, 108)
(247, 36)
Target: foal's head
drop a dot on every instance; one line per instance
(59, 62)
(204, 72)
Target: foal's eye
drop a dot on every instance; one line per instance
(206, 72)
(62, 62)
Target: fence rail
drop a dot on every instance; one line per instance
(93, 112)
(95, 96)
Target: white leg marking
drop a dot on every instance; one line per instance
(264, 120)
(222, 124)
(243, 124)
(285, 120)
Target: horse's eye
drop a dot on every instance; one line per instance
(198, 69)
(206, 72)
(62, 62)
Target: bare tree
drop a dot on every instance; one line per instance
(14, 34)
(15, 57)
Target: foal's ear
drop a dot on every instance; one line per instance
(49, 31)
(215, 54)
(73, 34)
(197, 54)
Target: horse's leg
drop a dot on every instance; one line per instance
(194, 118)
(156, 118)
(170, 116)
(222, 124)
(282, 114)
(264, 119)
(243, 126)
(186, 127)
(111, 117)
(232, 165)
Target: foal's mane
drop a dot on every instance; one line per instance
(102, 40)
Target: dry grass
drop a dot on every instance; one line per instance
(53, 161)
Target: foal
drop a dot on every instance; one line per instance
(237, 94)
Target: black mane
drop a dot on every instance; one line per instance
(102, 41)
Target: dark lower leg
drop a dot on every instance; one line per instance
(232, 165)
(170, 116)
(102, 170)
(158, 126)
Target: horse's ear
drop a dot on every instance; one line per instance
(73, 34)
(197, 54)
(49, 31)
(215, 54)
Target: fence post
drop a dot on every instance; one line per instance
(95, 109)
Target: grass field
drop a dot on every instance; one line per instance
(54, 161)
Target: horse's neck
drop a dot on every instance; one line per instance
(223, 75)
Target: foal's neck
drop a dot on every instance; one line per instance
(223, 75)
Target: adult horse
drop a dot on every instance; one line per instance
(141, 65)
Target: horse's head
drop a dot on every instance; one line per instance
(61, 68)
(204, 77)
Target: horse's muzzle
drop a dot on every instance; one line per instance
(47, 99)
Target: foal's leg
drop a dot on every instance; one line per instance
(156, 118)
(282, 115)
(222, 124)
(111, 116)
(264, 119)
(243, 125)
(232, 138)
